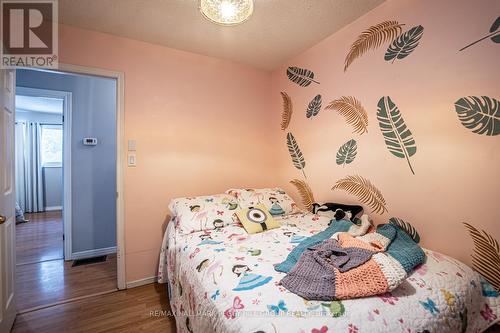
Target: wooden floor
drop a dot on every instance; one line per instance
(41, 238)
(121, 311)
(54, 281)
(43, 277)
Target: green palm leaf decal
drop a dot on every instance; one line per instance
(479, 114)
(406, 227)
(403, 45)
(301, 76)
(397, 135)
(347, 152)
(495, 37)
(297, 158)
(494, 34)
(314, 107)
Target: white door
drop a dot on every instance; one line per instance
(7, 201)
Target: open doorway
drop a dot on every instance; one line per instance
(39, 174)
(66, 185)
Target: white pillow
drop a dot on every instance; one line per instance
(204, 212)
(275, 199)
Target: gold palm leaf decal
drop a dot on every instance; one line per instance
(372, 38)
(366, 192)
(352, 110)
(486, 256)
(286, 114)
(406, 227)
(305, 193)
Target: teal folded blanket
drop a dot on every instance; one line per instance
(402, 248)
(294, 256)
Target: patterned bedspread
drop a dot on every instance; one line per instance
(224, 281)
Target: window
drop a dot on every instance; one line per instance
(51, 145)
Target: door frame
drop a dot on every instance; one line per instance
(120, 157)
(67, 98)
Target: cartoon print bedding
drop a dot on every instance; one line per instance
(224, 280)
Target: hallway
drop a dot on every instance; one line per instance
(40, 239)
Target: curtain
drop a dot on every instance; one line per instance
(19, 161)
(29, 179)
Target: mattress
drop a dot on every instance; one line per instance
(224, 281)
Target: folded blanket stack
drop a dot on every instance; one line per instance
(352, 266)
(333, 228)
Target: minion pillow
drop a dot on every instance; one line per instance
(256, 219)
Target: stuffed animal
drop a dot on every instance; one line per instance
(337, 211)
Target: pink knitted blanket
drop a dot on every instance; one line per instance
(381, 261)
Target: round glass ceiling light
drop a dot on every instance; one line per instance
(226, 12)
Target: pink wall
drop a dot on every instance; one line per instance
(456, 171)
(203, 125)
(198, 122)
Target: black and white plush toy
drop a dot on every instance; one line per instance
(337, 211)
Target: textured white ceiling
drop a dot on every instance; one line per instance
(277, 31)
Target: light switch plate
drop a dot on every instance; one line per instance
(132, 162)
(132, 145)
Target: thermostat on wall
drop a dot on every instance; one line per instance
(89, 141)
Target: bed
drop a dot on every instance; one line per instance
(223, 280)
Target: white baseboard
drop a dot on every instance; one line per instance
(93, 253)
(52, 208)
(141, 282)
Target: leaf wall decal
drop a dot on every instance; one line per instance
(350, 108)
(301, 76)
(286, 114)
(486, 256)
(305, 192)
(403, 45)
(479, 114)
(314, 107)
(398, 137)
(295, 153)
(494, 34)
(347, 152)
(366, 192)
(407, 227)
(372, 38)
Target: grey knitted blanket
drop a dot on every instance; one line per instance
(313, 277)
